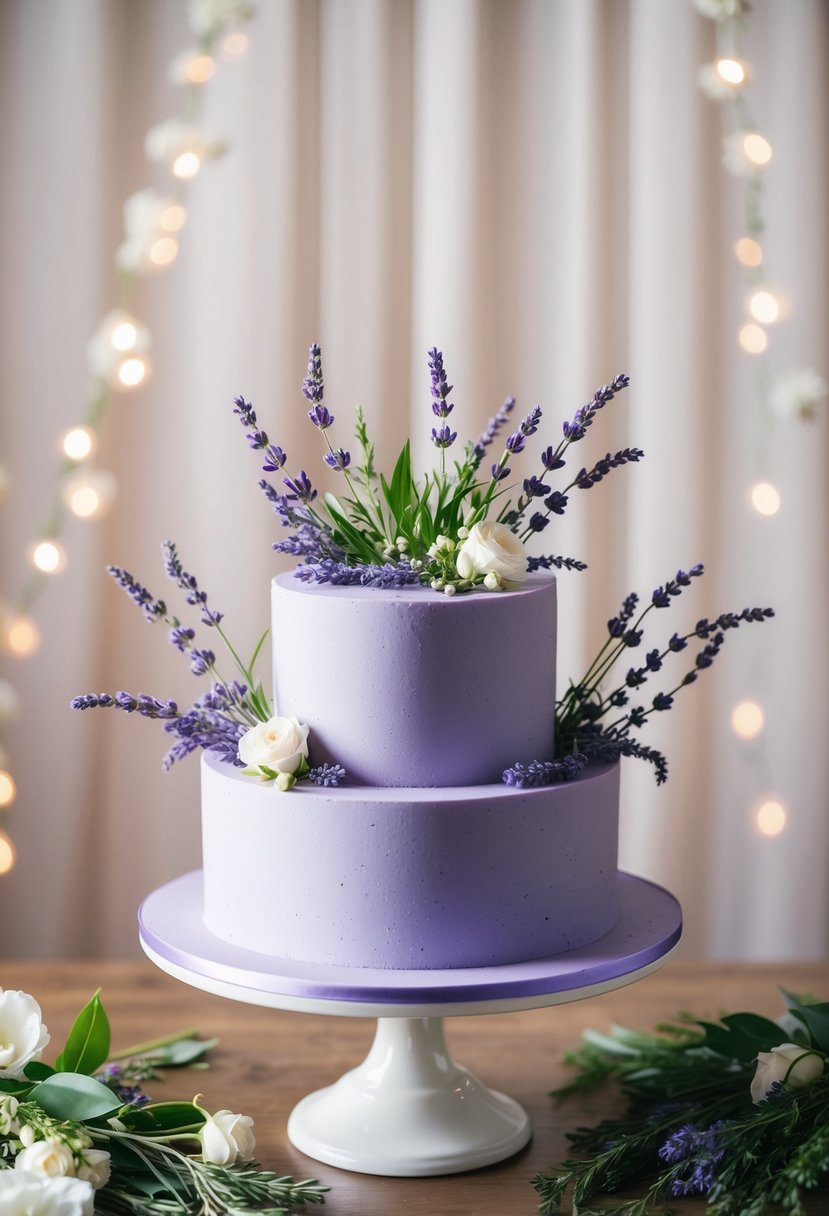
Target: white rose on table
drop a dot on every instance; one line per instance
(25, 1194)
(227, 1138)
(791, 1063)
(50, 1158)
(490, 548)
(22, 1033)
(95, 1166)
(279, 743)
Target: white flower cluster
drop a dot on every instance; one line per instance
(799, 395)
(26, 1194)
(146, 224)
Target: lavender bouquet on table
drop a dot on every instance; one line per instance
(455, 530)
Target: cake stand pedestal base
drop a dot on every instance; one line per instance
(408, 1110)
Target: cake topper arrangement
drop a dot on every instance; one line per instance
(452, 531)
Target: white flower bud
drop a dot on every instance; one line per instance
(8, 1112)
(469, 518)
(438, 584)
(450, 589)
(285, 782)
(445, 542)
(790, 1063)
(27, 1136)
(95, 1167)
(227, 1138)
(492, 582)
(463, 533)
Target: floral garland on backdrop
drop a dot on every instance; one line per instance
(83, 1134)
(735, 1110)
(118, 355)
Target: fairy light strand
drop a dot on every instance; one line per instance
(118, 354)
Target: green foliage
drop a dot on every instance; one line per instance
(695, 1074)
(75, 1096)
(87, 1046)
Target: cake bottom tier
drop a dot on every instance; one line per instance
(409, 879)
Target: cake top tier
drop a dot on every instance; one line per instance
(407, 688)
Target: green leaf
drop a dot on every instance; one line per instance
(740, 1036)
(38, 1071)
(72, 1095)
(9, 1085)
(268, 774)
(163, 1117)
(255, 654)
(182, 1052)
(353, 539)
(87, 1046)
(814, 1017)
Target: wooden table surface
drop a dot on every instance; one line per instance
(268, 1060)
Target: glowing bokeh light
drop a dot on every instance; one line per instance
(764, 307)
(753, 339)
(132, 372)
(22, 637)
(7, 854)
(747, 719)
(78, 443)
(731, 71)
(124, 336)
(757, 149)
(771, 817)
(234, 45)
(200, 69)
(48, 556)
(186, 165)
(164, 251)
(90, 494)
(764, 498)
(8, 789)
(173, 217)
(748, 252)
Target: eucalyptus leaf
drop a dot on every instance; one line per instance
(73, 1095)
(182, 1052)
(87, 1046)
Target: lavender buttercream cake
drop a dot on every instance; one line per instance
(424, 859)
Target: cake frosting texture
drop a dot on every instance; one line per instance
(409, 878)
(410, 688)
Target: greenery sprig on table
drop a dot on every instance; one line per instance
(735, 1110)
(83, 1130)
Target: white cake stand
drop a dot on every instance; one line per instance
(408, 1110)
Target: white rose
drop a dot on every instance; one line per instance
(25, 1194)
(227, 1138)
(279, 743)
(22, 1034)
(491, 548)
(48, 1157)
(95, 1166)
(791, 1063)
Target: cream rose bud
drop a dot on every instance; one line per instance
(22, 1034)
(50, 1158)
(279, 743)
(8, 1115)
(491, 548)
(227, 1138)
(25, 1194)
(95, 1166)
(791, 1063)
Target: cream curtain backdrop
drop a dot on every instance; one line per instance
(534, 187)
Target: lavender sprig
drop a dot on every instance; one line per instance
(544, 772)
(188, 584)
(493, 427)
(586, 478)
(312, 385)
(153, 609)
(364, 574)
(584, 417)
(551, 561)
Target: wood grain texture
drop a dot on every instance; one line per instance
(268, 1060)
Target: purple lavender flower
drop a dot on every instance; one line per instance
(274, 459)
(585, 478)
(152, 608)
(544, 772)
(538, 522)
(529, 425)
(320, 417)
(328, 775)
(632, 637)
(662, 701)
(515, 443)
(702, 1149)
(583, 418)
(494, 425)
(188, 584)
(206, 724)
(535, 488)
(201, 661)
(339, 460)
(388, 577)
(441, 389)
(181, 638)
(245, 411)
(556, 503)
(92, 700)
(444, 437)
(499, 472)
(677, 643)
(551, 460)
(312, 385)
(551, 561)
(300, 488)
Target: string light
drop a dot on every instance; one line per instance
(234, 45)
(749, 252)
(771, 817)
(8, 855)
(8, 789)
(200, 69)
(753, 339)
(164, 251)
(173, 217)
(48, 556)
(132, 372)
(764, 306)
(747, 720)
(22, 636)
(89, 493)
(78, 443)
(186, 165)
(757, 149)
(124, 336)
(732, 71)
(764, 498)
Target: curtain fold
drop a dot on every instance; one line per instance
(537, 189)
